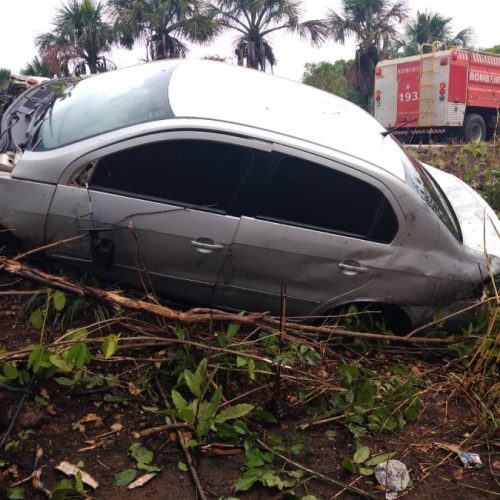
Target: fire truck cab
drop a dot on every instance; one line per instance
(451, 92)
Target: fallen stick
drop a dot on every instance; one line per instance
(185, 449)
(255, 320)
(161, 428)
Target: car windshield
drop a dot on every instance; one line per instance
(422, 182)
(104, 103)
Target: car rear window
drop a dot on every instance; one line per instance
(422, 183)
(317, 197)
(104, 103)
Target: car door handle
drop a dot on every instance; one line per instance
(204, 245)
(352, 268)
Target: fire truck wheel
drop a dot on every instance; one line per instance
(474, 128)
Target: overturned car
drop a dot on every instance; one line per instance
(224, 183)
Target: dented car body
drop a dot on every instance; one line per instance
(225, 183)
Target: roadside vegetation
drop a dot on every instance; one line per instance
(478, 164)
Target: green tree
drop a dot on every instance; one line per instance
(79, 39)
(162, 25)
(332, 78)
(494, 50)
(429, 27)
(36, 67)
(255, 20)
(374, 25)
(4, 78)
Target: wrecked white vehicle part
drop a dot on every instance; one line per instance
(233, 192)
(479, 223)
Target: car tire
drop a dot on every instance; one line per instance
(374, 317)
(474, 129)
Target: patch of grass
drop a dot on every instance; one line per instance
(478, 164)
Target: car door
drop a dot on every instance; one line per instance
(320, 228)
(161, 207)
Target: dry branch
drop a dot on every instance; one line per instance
(161, 428)
(256, 320)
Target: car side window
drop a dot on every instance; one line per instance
(314, 196)
(198, 173)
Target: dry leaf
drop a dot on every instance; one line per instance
(172, 436)
(133, 389)
(72, 470)
(51, 410)
(36, 481)
(44, 393)
(91, 417)
(414, 370)
(116, 427)
(496, 465)
(141, 481)
(424, 447)
(458, 474)
(450, 447)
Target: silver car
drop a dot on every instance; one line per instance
(225, 183)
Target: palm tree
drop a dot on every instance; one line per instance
(162, 24)
(429, 27)
(255, 20)
(37, 67)
(79, 38)
(374, 25)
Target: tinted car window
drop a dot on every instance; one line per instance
(424, 185)
(318, 197)
(201, 173)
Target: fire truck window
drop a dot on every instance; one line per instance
(309, 195)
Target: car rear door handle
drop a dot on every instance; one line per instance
(352, 268)
(204, 245)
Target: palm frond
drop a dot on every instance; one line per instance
(255, 19)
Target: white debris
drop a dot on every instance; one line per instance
(393, 475)
(141, 481)
(72, 470)
(470, 460)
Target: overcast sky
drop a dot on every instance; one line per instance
(22, 20)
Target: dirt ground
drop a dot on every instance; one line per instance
(99, 445)
(448, 418)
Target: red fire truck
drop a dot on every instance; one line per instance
(453, 92)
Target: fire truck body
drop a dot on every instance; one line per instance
(446, 91)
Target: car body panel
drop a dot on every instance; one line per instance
(24, 206)
(156, 237)
(264, 253)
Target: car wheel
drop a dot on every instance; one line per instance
(371, 317)
(474, 128)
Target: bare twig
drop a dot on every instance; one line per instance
(352, 489)
(161, 428)
(185, 449)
